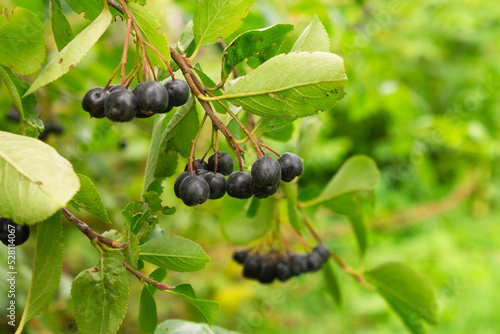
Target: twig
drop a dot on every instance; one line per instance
(270, 149)
(115, 5)
(309, 226)
(141, 276)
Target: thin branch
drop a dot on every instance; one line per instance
(115, 5)
(141, 276)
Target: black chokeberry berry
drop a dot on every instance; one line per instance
(217, 184)
(151, 96)
(251, 268)
(121, 106)
(314, 261)
(225, 164)
(282, 270)
(266, 171)
(113, 88)
(291, 166)
(265, 191)
(200, 164)
(12, 234)
(240, 256)
(298, 264)
(177, 183)
(194, 190)
(239, 185)
(178, 92)
(323, 252)
(93, 102)
(266, 273)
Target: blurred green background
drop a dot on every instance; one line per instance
(422, 100)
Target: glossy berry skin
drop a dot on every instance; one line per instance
(251, 267)
(263, 192)
(19, 233)
(240, 256)
(322, 252)
(282, 270)
(121, 106)
(178, 92)
(202, 172)
(93, 102)
(266, 273)
(314, 262)
(194, 190)
(266, 171)
(151, 96)
(166, 110)
(291, 166)
(225, 164)
(200, 164)
(177, 183)
(239, 185)
(217, 184)
(298, 264)
(113, 88)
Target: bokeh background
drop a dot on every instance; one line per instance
(423, 101)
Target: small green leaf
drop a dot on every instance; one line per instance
(47, 267)
(22, 43)
(148, 317)
(92, 8)
(89, 198)
(74, 52)
(153, 200)
(209, 309)
(176, 253)
(159, 274)
(313, 38)
(181, 326)
(292, 85)
(266, 124)
(264, 43)
(100, 296)
(332, 283)
(149, 26)
(186, 37)
(35, 181)
(407, 293)
(61, 29)
(132, 251)
(217, 18)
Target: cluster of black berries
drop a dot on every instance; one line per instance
(121, 104)
(12, 234)
(267, 268)
(263, 181)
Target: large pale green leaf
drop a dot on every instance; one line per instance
(61, 29)
(89, 198)
(22, 43)
(74, 52)
(265, 43)
(47, 267)
(332, 283)
(294, 85)
(91, 8)
(100, 296)
(209, 309)
(217, 18)
(409, 294)
(149, 26)
(35, 181)
(313, 38)
(181, 326)
(176, 253)
(148, 316)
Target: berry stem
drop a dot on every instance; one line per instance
(125, 51)
(216, 151)
(297, 236)
(193, 147)
(270, 149)
(142, 277)
(309, 226)
(162, 58)
(113, 76)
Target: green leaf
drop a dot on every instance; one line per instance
(74, 52)
(132, 251)
(266, 124)
(176, 253)
(292, 85)
(149, 26)
(186, 37)
(313, 38)
(148, 316)
(332, 283)
(61, 29)
(283, 135)
(152, 198)
(159, 274)
(217, 18)
(100, 296)
(181, 326)
(205, 79)
(47, 267)
(265, 43)
(407, 293)
(92, 8)
(25, 105)
(89, 198)
(22, 43)
(209, 309)
(241, 228)
(35, 181)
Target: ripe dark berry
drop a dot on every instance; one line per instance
(121, 106)
(194, 190)
(266, 273)
(217, 184)
(251, 267)
(263, 192)
(93, 102)
(282, 270)
(240, 256)
(177, 183)
(178, 92)
(12, 234)
(200, 164)
(239, 185)
(298, 264)
(291, 166)
(266, 171)
(166, 110)
(225, 164)
(151, 96)
(202, 172)
(314, 262)
(323, 252)
(113, 88)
